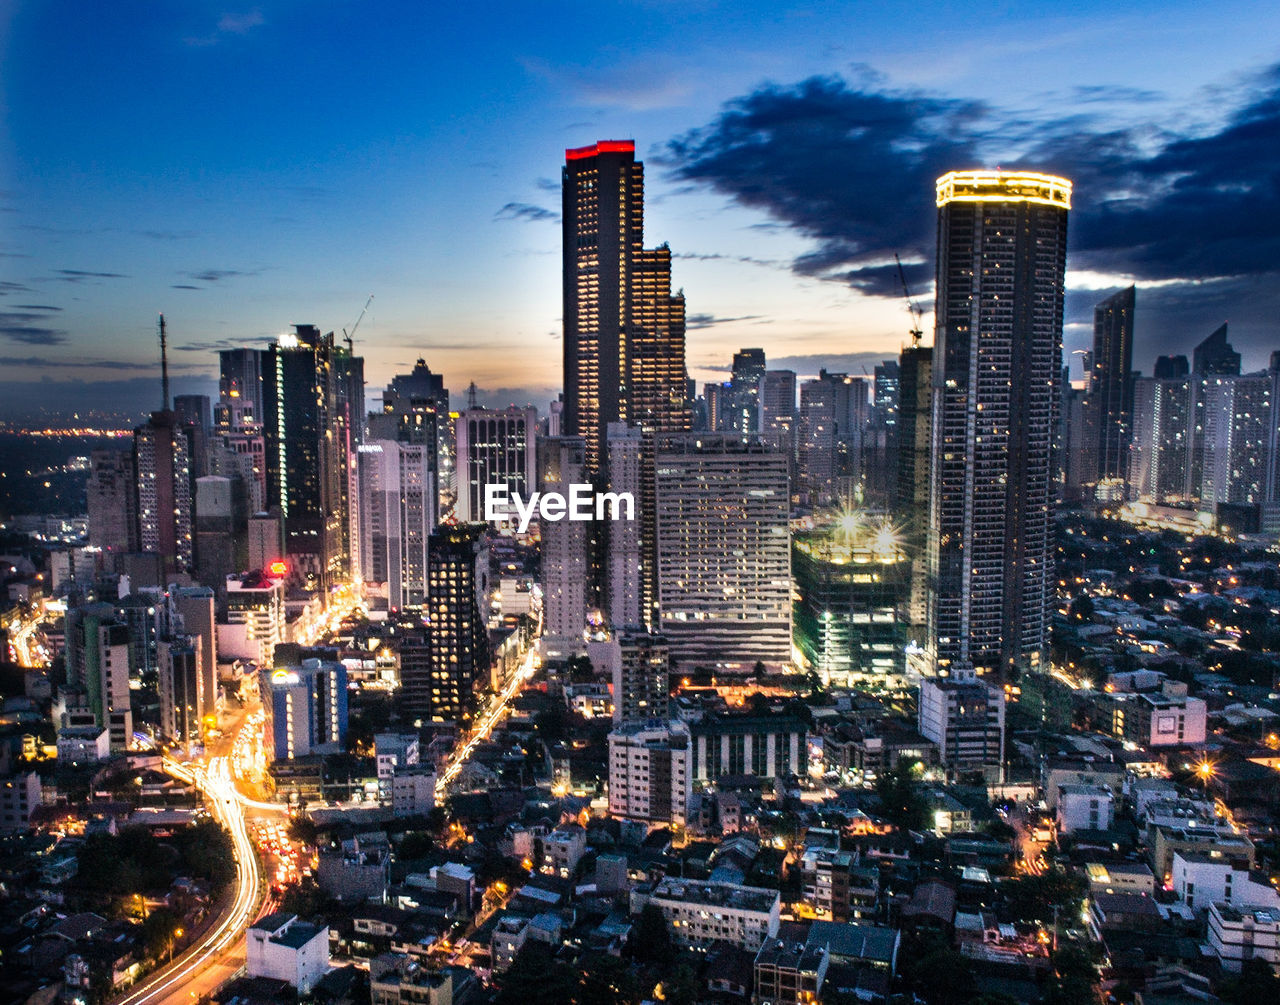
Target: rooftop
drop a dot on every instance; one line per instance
(745, 898)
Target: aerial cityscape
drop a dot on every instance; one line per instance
(823, 546)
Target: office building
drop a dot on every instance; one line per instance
(910, 506)
(723, 549)
(240, 386)
(779, 417)
(1212, 358)
(181, 700)
(457, 613)
(641, 677)
(192, 614)
(997, 359)
(221, 526)
(566, 563)
(649, 773)
(163, 462)
(852, 582)
(415, 410)
(965, 719)
(398, 499)
(700, 913)
(749, 368)
(306, 387)
(306, 708)
(1161, 428)
(494, 447)
(738, 745)
(629, 563)
(1108, 403)
(112, 501)
(1238, 936)
(623, 329)
(255, 621)
(282, 948)
(97, 665)
(1238, 439)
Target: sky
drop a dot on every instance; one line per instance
(246, 167)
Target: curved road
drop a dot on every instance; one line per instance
(219, 952)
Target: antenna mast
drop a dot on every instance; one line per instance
(164, 365)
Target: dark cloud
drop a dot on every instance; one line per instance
(696, 321)
(217, 275)
(44, 362)
(526, 211)
(852, 166)
(37, 307)
(548, 185)
(17, 326)
(694, 256)
(80, 275)
(7, 287)
(217, 345)
(185, 286)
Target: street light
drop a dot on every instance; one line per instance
(177, 934)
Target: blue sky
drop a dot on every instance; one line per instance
(243, 167)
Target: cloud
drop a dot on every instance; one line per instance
(184, 286)
(526, 211)
(851, 166)
(7, 287)
(37, 307)
(229, 23)
(17, 326)
(217, 345)
(167, 235)
(217, 275)
(79, 275)
(696, 321)
(696, 256)
(44, 362)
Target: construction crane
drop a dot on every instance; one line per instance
(916, 313)
(350, 337)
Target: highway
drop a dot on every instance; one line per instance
(219, 952)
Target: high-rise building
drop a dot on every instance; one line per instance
(1239, 431)
(778, 416)
(193, 412)
(181, 699)
(192, 615)
(816, 455)
(398, 499)
(307, 433)
(1214, 357)
(623, 328)
(113, 502)
(221, 528)
(744, 390)
(457, 614)
(1108, 403)
(240, 385)
(306, 706)
(255, 622)
(641, 677)
(650, 777)
(911, 498)
(1161, 426)
(627, 563)
(723, 549)
(566, 564)
(494, 447)
(965, 718)
(162, 450)
(97, 663)
(997, 360)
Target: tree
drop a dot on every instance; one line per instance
(900, 800)
(1255, 983)
(922, 971)
(650, 939)
(1033, 898)
(159, 931)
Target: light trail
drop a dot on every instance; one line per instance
(215, 781)
(491, 719)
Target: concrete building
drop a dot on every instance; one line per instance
(285, 949)
(19, 799)
(566, 559)
(965, 718)
(700, 913)
(181, 701)
(641, 677)
(629, 565)
(724, 549)
(762, 746)
(98, 667)
(306, 709)
(1237, 936)
(83, 744)
(255, 619)
(1084, 807)
(401, 979)
(112, 501)
(1204, 878)
(650, 777)
(398, 512)
(495, 447)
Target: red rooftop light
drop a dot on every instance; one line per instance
(603, 147)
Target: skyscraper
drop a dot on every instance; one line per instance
(641, 678)
(457, 612)
(239, 408)
(724, 548)
(181, 701)
(744, 390)
(163, 462)
(623, 328)
(307, 446)
(997, 362)
(494, 447)
(566, 565)
(1214, 357)
(1108, 403)
(398, 501)
(911, 497)
(1161, 425)
(625, 597)
(112, 501)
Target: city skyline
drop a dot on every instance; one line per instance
(254, 216)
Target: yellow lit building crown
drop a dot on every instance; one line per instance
(1004, 186)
